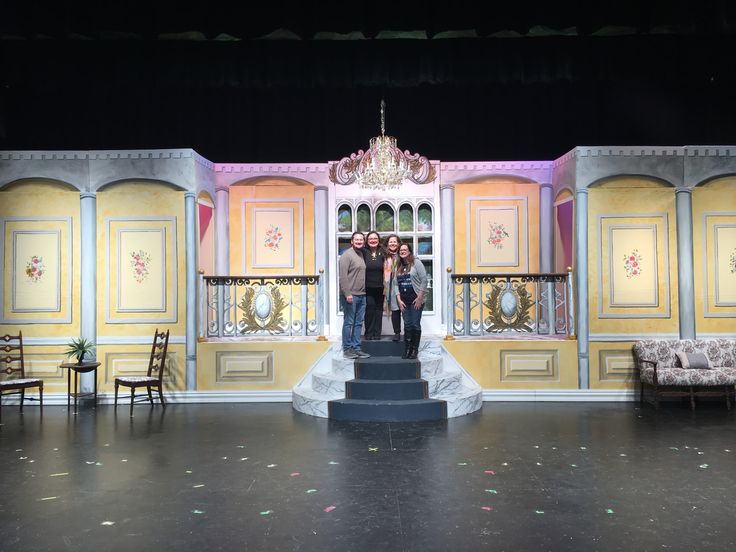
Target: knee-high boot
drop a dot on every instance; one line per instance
(415, 337)
(407, 342)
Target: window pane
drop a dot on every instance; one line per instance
(406, 218)
(429, 302)
(424, 246)
(424, 224)
(364, 218)
(385, 218)
(344, 218)
(343, 244)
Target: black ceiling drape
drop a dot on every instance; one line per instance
(313, 101)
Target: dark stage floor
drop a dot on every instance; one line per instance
(515, 476)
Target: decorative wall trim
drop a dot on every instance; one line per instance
(244, 367)
(269, 168)
(530, 365)
(469, 234)
(66, 226)
(707, 291)
(616, 365)
(629, 151)
(632, 337)
(559, 395)
(495, 166)
(665, 276)
(299, 230)
(173, 308)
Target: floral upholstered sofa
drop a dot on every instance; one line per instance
(661, 369)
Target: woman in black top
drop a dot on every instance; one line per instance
(374, 258)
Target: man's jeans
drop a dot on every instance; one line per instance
(353, 323)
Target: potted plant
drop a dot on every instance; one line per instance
(79, 348)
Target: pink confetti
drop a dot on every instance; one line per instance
(294, 474)
(490, 472)
(486, 508)
(329, 509)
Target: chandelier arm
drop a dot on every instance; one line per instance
(344, 171)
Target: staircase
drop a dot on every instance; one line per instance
(387, 388)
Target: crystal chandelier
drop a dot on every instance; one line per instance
(384, 166)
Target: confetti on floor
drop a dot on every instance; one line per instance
(272, 465)
(490, 472)
(243, 459)
(486, 508)
(703, 466)
(198, 512)
(333, 463)
(266, 512)
(372, 449)
(329, 509)
(492, 491)
(107, 523)
(462, 463)
(609, 511)
(48, 498)
(295, 474)
(310, 491)
(241, 446)
(197, 486)
(540, 512)
(59, 474)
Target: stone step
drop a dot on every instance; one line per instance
(387, 368)
(417, 410)
(386, 389)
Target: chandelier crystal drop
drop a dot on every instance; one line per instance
(384, 166)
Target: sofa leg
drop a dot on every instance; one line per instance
(692, 398)
(728, 398)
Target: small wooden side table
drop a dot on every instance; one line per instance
(79, 368)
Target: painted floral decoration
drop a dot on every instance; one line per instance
(497, 235)
(732, 262)
(273, 238)
(35, 269)
(139, 262)
(632, 264)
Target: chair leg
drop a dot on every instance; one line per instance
(641, 393)
(656, 397)
(150, 396)
(161, 396)
(40, 397)
(116, 394)
(22, 398)
(132, 397)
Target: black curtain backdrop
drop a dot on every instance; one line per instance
(316, 101)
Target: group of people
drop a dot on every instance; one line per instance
(372, 275)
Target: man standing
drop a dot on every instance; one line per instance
(352, 296)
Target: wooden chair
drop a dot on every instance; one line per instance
(154, 376)
(13, 367)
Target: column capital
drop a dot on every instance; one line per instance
(683, 190)
(581, 191)
(222, 188)
(321, 188)
(189, 195)
(546, 185)
(447, 187)
(88, 195)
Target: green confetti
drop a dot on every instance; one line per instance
(540, 512)
(266, 512)
(609, 511)
(462, 463)
(492, 491)
(573, 465)
(198, 512)
(703, 466)
(372, 449)
(310, 491)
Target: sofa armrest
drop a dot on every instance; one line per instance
(652, 362)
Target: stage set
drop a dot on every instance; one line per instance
(542, 274)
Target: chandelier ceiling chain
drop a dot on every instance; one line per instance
(384, 166)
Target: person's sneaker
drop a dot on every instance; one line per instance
(362, 354)
(350, 354)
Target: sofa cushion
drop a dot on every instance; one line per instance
(689, 376)
(694, 360)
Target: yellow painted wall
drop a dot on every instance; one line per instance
(715, 198)
(144, 200)
(271, 188)
(33, 199)
(498, 364)
(492, 188)
(132, 360)
(611, 365)
(636, 197)
(290, 361)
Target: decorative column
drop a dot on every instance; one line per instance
(547, 248)
(190, 236)
(88, 277)
(447, 211)
(321, 248)
(581, 270)
(685, 268)
(222, 232)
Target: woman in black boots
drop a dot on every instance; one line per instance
(389, 270)
(374, 259)
(411, 279)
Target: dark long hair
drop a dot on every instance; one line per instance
(406, 264)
